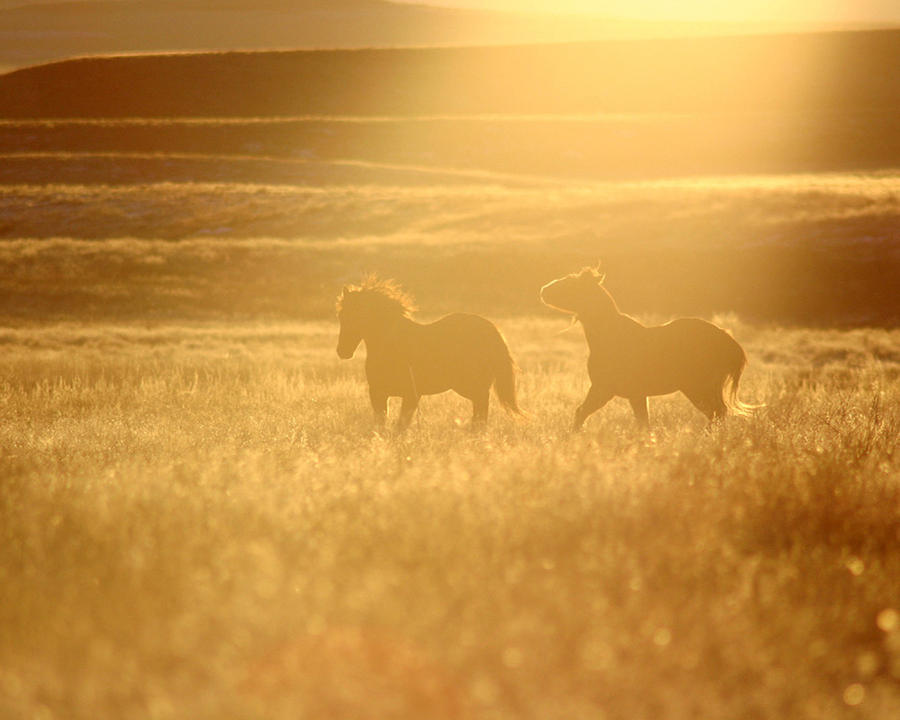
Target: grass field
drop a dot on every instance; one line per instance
(803, 249)
(197, 521)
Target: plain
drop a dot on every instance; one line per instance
(199, 521)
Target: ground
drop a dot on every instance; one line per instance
(200, 521)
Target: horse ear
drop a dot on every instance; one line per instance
(345, 290)
(598, 272)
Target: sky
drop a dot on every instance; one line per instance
(717, 10)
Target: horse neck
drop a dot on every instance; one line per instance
(389, 333)
(599, 323)
(595, 327)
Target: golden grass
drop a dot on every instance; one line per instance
(800, 248)
(197, 521)
(744, 208)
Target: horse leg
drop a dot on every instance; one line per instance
(595, 400)
(709, 402)
(480, 402)
(407, 410)
(719, 408)
(379, 406)
(641, 413)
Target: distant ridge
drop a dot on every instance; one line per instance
(37, 32)
(815, 72)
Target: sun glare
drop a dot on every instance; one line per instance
(700, 10)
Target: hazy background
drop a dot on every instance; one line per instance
(753, 174)
(34, 31)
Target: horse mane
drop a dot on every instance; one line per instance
(594, 271)
(386, 292)
(596, 276)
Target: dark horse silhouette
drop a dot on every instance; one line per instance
(408, 359)
(630, 360)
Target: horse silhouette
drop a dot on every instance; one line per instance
(630, 360)
(408, 359)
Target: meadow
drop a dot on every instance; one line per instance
(801, 249)
(197, 519)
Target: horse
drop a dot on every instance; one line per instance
(407, 359)
(631, 360)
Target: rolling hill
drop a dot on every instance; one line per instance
(821, 73)
(762, 170)
(36, 32)
(39, 32)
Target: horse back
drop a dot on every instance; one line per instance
(459, 351)
(464, 335)
(688, 352)
(704, 336)
(699, 351)
(462, 323)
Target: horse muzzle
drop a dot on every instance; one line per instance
(551, 299)
(561, 295)
(543, 289)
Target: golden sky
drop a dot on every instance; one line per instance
(723, 10)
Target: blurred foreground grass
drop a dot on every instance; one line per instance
(198, 522)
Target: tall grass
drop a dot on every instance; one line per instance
(198, 521)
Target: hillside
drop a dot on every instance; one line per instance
(821, 73)
(758, 176)
(36, 32)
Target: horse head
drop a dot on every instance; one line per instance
(350, 314)
(365, 310)
(578, 293)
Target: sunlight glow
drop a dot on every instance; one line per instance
(701, 10)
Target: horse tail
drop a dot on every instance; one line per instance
(505, 370)
(735, 364)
